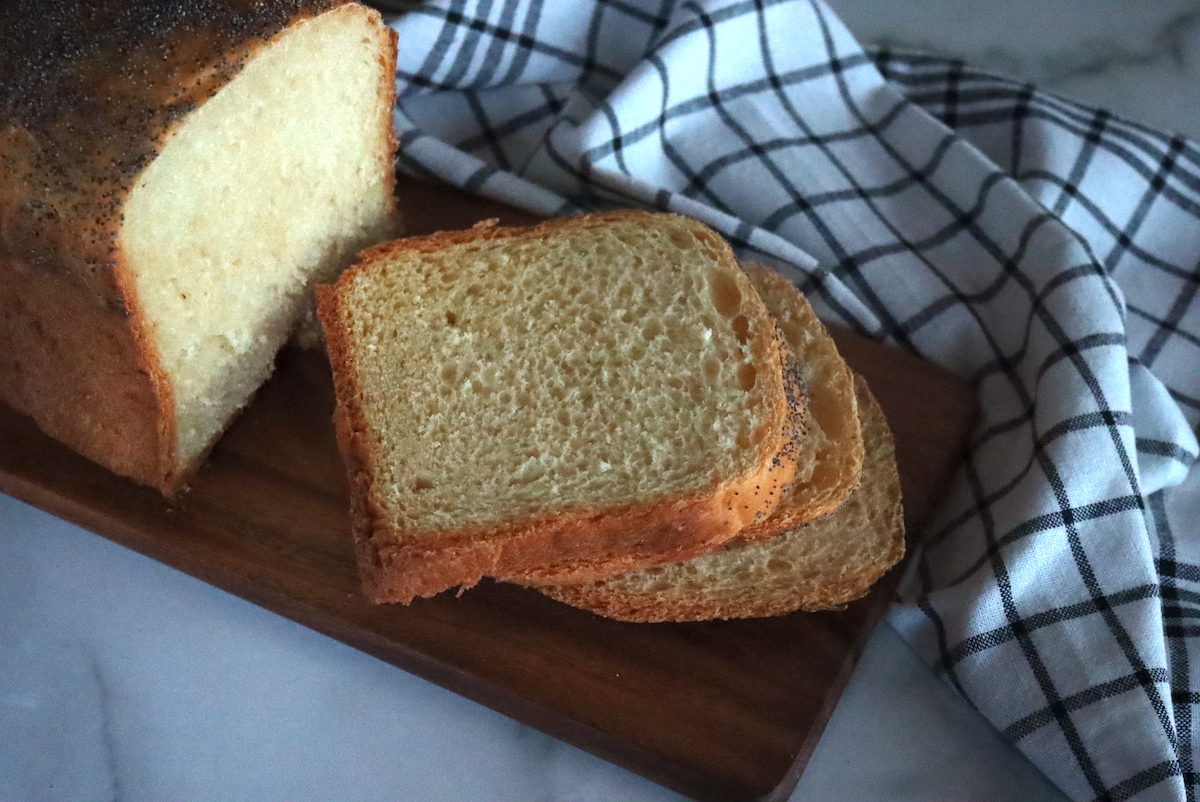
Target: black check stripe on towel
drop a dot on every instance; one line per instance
(1133, 194)
(1046, 251)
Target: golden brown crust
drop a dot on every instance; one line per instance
(350, 426)
(89, 96)
(817, 566)
(387, 97)
(835, 465)
(490, 231)
(400, 569)
(75, 367)
(573, 545)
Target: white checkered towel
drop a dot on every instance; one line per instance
(1047, 252)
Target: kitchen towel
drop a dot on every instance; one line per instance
(1047, 252)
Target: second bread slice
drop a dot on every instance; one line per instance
(831, 453)
(553, 404)
(815, 566)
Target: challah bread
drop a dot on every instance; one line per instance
(585, 396)
(172, 175)
(815, 566)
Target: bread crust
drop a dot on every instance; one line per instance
(832, 451)
(77, 131)
(826, 563)
(573, 545)
(78, 369)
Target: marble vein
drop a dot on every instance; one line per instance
(108, 738)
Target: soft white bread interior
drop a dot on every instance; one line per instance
(815, 566)
(583, 397)
(171, 180)
(275, 182)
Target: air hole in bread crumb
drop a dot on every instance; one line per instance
(726, 295)
(683, 239)
(741, 328)
(451, 319)
(421, 485)
(652, 329)
(747, 375)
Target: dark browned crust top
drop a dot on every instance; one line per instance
(89, 93)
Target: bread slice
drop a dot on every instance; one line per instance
(172, 175)
(815, 566)
(831, 457)
(555, 403)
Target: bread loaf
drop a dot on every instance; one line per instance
(815, 566)
(172, 175)
(571, 400)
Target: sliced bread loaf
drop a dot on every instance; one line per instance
(556, 403)
(815, 566)
(172, 175)
(831, 450)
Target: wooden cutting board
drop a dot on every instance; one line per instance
(723, 710)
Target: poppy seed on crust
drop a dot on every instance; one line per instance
(136, 158)
(111, 74)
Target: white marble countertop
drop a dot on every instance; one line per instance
(121, 679)
(1137, 58)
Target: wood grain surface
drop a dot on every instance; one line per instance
(721, 710)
